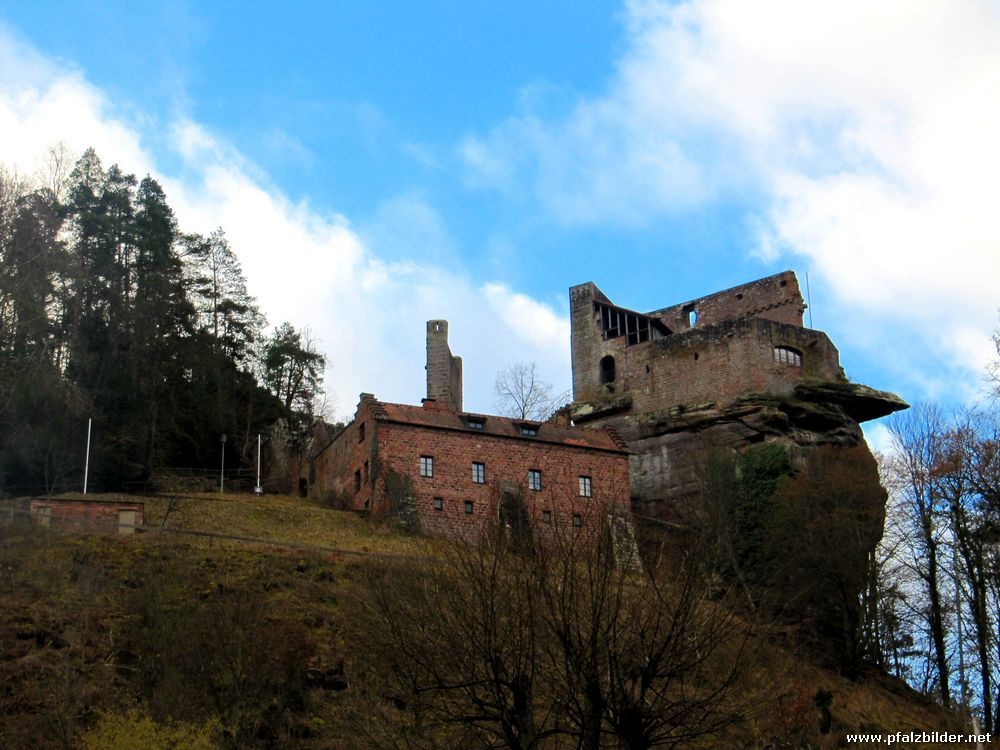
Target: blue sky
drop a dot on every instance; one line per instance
(379, 164)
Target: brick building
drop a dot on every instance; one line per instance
(444, 469)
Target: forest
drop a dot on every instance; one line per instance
(109, 313)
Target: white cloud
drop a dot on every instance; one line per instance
(535, 323)
(867, 131)
(312, 269)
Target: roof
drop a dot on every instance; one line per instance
(504, 427)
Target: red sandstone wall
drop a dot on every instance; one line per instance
(706, 364)
(507, 461)
(720, 364)
(84, 515)
(774, 298)
(347, 453)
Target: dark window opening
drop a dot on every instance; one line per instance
(739, 296)
(529, 431)
(468, 507)
(357, 480)
(364, 475)
(438, 503)
(475, 423)
(607, 370)
(785, 355)
(479, 473)
(635, 327)
(303, 487)
(361, 433)
(547, 516)
(696, 355)
(577, 520)
(691, 313)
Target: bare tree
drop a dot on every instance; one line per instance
(511, 647)
(993, 368)
(522, 394)
(918, 448)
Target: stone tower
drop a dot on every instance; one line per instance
(444, 371)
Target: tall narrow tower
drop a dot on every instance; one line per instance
(444, 371)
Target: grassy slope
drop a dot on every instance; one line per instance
(71, 641)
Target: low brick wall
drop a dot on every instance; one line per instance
(87, 515)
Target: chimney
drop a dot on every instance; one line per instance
(444, 372)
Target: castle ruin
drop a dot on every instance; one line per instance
(727, 370)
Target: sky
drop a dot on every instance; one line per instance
(379, 164)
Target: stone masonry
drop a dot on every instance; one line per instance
(449, 472)
(723, 371)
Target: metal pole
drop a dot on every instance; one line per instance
(258, 464)
(86, 463)
(222, 472)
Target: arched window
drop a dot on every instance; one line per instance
(785, 355)
(607, 370)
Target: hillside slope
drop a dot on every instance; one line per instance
(251, 644)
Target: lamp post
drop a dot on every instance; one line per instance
(222, 472)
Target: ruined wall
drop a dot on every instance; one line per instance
(774, 298)
(444, 371)
(707, 365)
(87, 515)
(713, 348)
(350, 457)
(507, 462)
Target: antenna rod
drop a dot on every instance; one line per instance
(809, 302)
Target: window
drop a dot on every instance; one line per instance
(479, 473)
(547, 516)
(585, 487)
(468, 507)
(529, 431)
(357, 480)
(534, 479)
(785, 355)
(364, 474)
(361, 433)
(607, 370)
(475, 423)
(577, 520)
(427, 466)
(438, 503)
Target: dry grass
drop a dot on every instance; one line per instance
(276, 518)
(316, 591)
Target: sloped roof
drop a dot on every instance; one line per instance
(548, 432)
